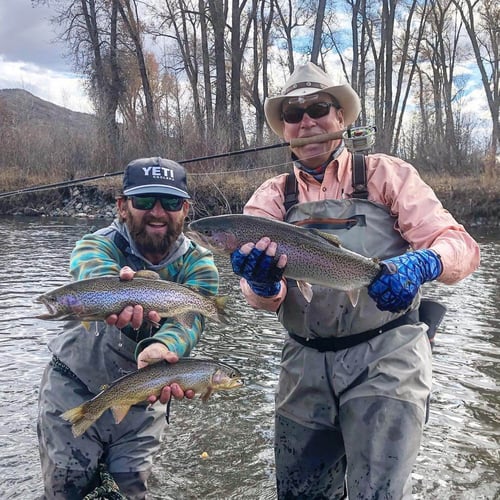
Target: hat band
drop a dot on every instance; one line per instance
(301, 85)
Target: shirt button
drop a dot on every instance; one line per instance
(324, 189)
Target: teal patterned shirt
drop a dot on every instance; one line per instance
(98, 255)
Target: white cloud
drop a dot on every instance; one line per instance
(64, 89)
(31, 57)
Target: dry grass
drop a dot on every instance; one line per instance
(447, 183)
(472, 200)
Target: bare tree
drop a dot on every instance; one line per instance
(90, 28)
(185, 20)
(439, 55)
(318, 31)
(240, 30)
(482, 21)
(218, 10)
(394, 38)
(130, 18)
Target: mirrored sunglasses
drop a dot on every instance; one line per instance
(316, 110)
(169, 203)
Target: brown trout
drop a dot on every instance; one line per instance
(94, 299)
(313, 257)
(204, 376)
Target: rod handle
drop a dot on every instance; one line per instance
(315, 139)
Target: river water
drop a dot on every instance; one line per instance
(459, 457)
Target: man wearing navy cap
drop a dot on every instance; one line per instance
(147, 235)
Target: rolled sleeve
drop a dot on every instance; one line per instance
(421, 218)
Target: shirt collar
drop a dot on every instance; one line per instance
(337, 159)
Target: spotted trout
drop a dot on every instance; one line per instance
(203, 376)
(94, 299)
(313, 257)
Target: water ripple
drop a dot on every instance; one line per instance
(459, 457)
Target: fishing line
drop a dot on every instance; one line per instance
(73, 182)
(293, 143)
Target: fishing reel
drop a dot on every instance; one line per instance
(359, 139)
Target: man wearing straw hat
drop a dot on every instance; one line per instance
(355, 379)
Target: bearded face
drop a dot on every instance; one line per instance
(153, 234)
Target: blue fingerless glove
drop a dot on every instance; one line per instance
(400, 278)
(260, 271)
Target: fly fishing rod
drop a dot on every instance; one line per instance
(355, 138)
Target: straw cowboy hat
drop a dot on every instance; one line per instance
(306, 80)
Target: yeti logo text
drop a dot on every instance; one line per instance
(159, 172)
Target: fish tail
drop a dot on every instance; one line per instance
(220, 305)
(81, 417)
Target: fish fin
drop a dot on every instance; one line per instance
(81, 419)
(74, 414)
(147, 274)
(86, 325)
(330, 238)
(354, 296)
(120, 412)
(50, 316)
(306, 290)
(205, 395)
(220, 304)
(44, 316)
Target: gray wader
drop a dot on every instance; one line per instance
(349, 416)
(70, 465)
(85, 360)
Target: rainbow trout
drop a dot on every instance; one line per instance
(204, 376)
(94, 299)
(313, 257)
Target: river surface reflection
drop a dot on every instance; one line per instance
(459, 458)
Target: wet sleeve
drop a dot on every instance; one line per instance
(421, 218)
(95, 256)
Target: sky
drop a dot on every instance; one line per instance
(31, 59)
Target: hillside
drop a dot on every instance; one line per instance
(20, 107)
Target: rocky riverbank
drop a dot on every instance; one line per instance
(471, 204)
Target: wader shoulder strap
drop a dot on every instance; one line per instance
(291, 191)
(359, 182)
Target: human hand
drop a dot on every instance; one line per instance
(152, 354)
(400, 278)
(257, 263)
(131, 314)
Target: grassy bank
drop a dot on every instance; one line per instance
(473, 201)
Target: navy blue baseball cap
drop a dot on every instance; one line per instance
(155, 176)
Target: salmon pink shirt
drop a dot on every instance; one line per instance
(419, 216)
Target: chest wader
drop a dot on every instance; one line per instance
(354, 381)
(429, 311)
(83, 361)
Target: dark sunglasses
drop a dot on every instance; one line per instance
(316, 110)
(169, 203)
